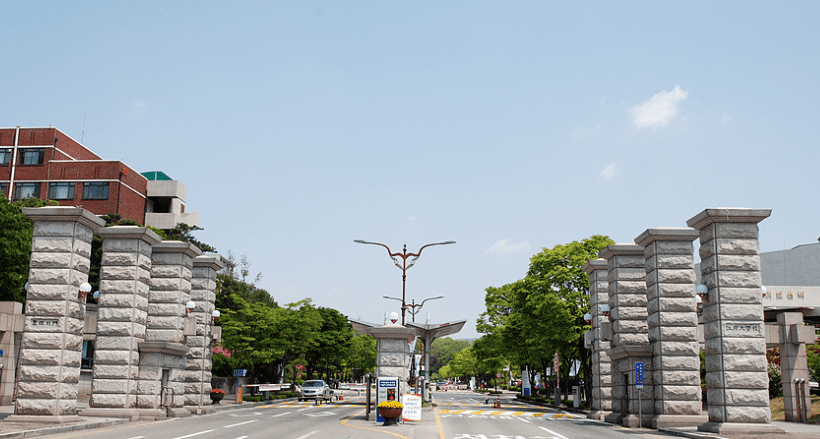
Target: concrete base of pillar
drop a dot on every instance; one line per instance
(665, 421)
(631, 421)
(45, 419)
(197, 410)
(137, 414)
(738, 428)
(598, 415)
(614, 418)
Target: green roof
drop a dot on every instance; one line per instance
(156, 175)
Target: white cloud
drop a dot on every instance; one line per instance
(609, 172)
(659, 110)
(504, 247)
(725, 119)
(412, 218)
(139, 103)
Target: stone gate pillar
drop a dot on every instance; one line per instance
(197, 374)
(121, 317)
(673, 325)
(601, 365)
(52, 343)
(736, 376)
(793, 363)
(161, 389)
(630, 334)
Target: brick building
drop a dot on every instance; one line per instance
(48, 164)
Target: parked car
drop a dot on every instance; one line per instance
(314, 389)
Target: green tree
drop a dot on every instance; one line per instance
(331, 344)
(361, 356)
(559, 271)
(15, 246)
(442, 351)
(813, 358)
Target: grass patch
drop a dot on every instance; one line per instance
(779, 411)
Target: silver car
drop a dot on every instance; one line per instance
(314, 389)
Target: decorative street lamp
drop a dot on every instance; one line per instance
(404, 266)
(414, 307)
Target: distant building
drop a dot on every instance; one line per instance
(46, 163)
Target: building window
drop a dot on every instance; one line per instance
(5, 156)
(4, 188)
(88, 355)
(61, 191)
(26, 190)
(95, 191)
(31, 156)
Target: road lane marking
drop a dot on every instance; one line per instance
(194, 434)
(554, 433)
(94, 431)
(280, 414)
(523, 420)
(241, 423)
(241, 437)
(309, 434)
(136, 437)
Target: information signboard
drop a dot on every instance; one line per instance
(240, 372)
(387, 389)
(412, 407)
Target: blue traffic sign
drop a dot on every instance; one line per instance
(240, 372)
(639, 374)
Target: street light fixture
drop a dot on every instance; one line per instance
(404, 266)
(414, 307)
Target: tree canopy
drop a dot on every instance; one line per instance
(531, 319)
(15, 246)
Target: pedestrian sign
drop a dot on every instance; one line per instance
(639, 374)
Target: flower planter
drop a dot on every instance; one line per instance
(389, 415)
(216, 397)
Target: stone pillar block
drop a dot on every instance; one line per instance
(672, 321)
(630, 333)
(601, 364)
(52, 342)
(121, 316)
(198, 365)
(733, 324)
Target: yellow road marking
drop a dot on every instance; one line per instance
(438, 424)
(537, 415)
(517, 413)
(478, 412)
(496, 413)
(344, 422)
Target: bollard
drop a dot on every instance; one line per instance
(498, 402)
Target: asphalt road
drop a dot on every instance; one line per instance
(459, 415)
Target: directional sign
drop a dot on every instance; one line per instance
(639, 374)
(240, 372)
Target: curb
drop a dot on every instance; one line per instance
(693, 435)
(64, 428)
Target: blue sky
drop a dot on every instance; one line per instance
(505, 126)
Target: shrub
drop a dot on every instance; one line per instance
(390, 405)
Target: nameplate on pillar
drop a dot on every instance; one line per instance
(742, 330)
(45, 322)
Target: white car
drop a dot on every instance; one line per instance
(314, 389)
